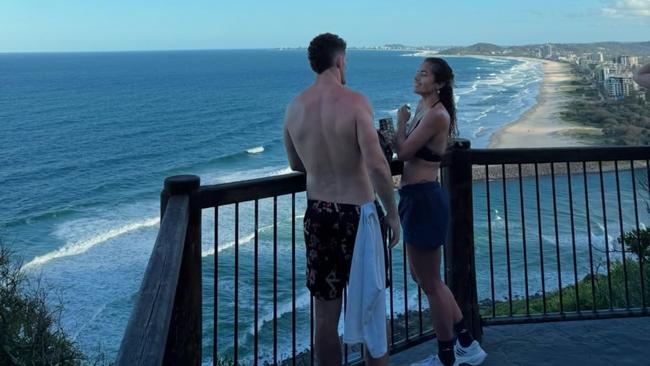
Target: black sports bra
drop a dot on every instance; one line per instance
(425, 153)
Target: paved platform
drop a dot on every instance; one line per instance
(606, 342)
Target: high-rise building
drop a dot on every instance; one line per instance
(584, 63)
(603, 71)
(619, 86)
(548, 50)
(598, 57)
(614, 88)
(603, 74)
(623, 60)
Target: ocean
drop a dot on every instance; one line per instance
(88, 138)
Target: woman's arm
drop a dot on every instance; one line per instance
(403, 115)
(432, 124)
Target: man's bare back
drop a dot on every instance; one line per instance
(329, 135)
(322, 125)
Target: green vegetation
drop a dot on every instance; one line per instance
(597, 297)
(641, 49)
(624, 122)
(225, 360)
(602, 297)
(637, 242)
(29, 332)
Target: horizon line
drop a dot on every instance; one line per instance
(302, 47)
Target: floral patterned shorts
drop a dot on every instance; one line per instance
(330, 232)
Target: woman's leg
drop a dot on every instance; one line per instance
(444, 311)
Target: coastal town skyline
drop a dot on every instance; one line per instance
(74, 26)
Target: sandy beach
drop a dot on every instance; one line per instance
(542, 125)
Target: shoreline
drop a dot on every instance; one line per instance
(542, 125)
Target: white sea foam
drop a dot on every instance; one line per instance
(469, 90)
(243, 240)
(479, 131)
(489, 109)
(282, 171)
(490, 96)
(82, 246)
(240, 175)
(256, 150)
(492, 81)
(284, 347)
(302, 302)
(480, 117)
(428, 53)
(387, 111)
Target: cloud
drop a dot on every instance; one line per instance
(627, 8)
(582, 14)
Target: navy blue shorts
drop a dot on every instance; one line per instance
(424, 213)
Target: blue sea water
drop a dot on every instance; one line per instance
(87, 139)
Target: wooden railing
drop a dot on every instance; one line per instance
(165, 326)
(166, 323)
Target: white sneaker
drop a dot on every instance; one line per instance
(431, 361)
(473, 354)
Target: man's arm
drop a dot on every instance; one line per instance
(294, 160)
(377, 166)
(642, 76)
(292, 155)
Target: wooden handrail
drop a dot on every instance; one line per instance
(146, 333)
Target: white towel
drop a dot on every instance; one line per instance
(365, 319)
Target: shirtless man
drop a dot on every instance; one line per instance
(329, 135)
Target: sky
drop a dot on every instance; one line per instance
(126, 25)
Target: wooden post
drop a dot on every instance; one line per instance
(185, 331)
(459, 255)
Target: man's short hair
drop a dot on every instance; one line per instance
(323, 49)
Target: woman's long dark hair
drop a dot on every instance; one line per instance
(444, 74)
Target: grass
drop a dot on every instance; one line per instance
(588, 297)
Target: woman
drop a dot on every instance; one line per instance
(424, 206)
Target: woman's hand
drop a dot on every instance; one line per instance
(403, 114)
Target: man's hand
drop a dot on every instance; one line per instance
(394, 226)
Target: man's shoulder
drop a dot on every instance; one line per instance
(354, 100)
(297, 101)
(354, 96)
(300, 97)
